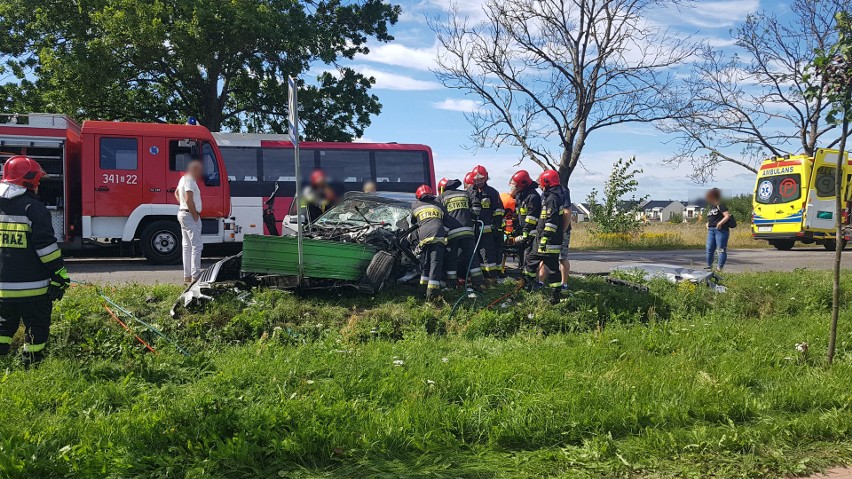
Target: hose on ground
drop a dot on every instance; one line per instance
(467, 273)
(121, 309)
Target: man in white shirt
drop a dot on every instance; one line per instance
(189, 216)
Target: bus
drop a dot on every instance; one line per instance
(258, 163)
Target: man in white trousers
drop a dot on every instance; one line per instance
(189, 216)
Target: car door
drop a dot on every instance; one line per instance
(820, 205)
(118, 175)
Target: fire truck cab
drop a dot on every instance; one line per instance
(113, 182)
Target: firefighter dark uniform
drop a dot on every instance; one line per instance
(32, 272)
(549, 230)
(487, 207)
(528, 207)
(460, 235)
(428, 214)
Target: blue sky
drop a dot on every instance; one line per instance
(418, 109)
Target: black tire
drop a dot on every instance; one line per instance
(783, 245)
(831, 245)
(379, 270)
(160, 242)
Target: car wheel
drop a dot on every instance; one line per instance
(379, 270)
(161, 243)
(783, 245)
(831, 245)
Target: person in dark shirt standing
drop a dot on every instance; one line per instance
(718, 229)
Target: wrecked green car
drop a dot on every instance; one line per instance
(365, 242)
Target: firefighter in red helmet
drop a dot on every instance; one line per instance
(462, 260)
(486, 205)
(317, 197)
(442, 185)
(468, 180)
(548, 242)
(32, 272)
(528, 209)
(428, 214)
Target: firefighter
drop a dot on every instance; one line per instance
(468, 180)
(527, 208)
(488, 208)
(461, 253)
(32, 272)
(548, 241)
(428, 214)
(317, 198)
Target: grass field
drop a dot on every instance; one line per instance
(611, 383)
(659, 236)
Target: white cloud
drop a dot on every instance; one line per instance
(469, 8)
(394, 81)
(399, 55)
(457, 104)
(715, 14)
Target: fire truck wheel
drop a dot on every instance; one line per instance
(160, 242)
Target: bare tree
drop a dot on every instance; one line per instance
(745, 105)
(551, 72)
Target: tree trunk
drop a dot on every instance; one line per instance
(840, 204)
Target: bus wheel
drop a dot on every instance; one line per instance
(783, 245)
(160, 242)
(831, 245)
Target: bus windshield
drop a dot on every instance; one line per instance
(778, 189)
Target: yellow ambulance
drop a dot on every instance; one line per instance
(794, 200)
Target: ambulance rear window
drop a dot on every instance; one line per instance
(778, 189)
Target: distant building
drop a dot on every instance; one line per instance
(661, 210)
(580, 212)
(694, 209)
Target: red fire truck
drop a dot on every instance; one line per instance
(113, 182)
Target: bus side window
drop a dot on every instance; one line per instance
(346, 166)
(402, 167)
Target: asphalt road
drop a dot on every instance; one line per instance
(121, 270)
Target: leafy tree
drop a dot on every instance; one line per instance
(616, 213)
(549, 73)
(741, 206)
(833, 67)
(224, 61)
(743, 106)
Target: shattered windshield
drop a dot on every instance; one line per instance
(361, 212)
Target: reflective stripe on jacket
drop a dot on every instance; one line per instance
(550, 230)
(29, 254)
(459, 219)
(528, 207)
(487, 207)
(428, 214)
